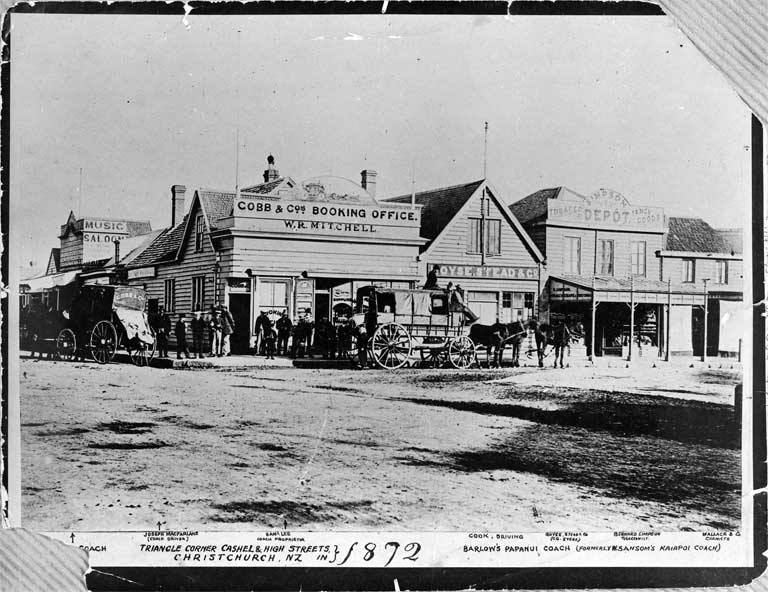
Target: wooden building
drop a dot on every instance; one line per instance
(603, 272)
(279, 246)
(479, 245)
(700, 256)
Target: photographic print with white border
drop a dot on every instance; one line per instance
(372, 291)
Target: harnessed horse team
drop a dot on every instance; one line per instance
(494, 338)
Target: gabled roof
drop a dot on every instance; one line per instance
(694, 235)
(534, 206)
(54, 261)
(132, 247)
(439, 207)
(216, 205)
(163, 248)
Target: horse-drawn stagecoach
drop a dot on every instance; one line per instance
(396, 324)
(100, 319)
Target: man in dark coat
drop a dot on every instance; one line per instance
(284, 327)
(431, 283)
(161, 324)
(198, 331)
(262, 323)
(227, 328)
(181, 337)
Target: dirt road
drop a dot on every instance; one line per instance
(119, 447)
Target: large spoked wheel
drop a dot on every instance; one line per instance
(66, 345)
(461, 352)
(433, 352)
(103, 342)
(141, 353)
(391, 346)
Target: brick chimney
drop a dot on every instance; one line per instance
(271, 174)
(369, 181)
(117, 252)
(177, 204)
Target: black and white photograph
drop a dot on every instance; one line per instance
(483, 279)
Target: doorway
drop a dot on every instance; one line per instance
(240, 307)
(322, 305)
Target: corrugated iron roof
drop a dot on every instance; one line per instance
(694, 234)
(614, 284)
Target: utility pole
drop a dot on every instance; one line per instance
(80, 195)
(706, 310)
(483, 198)
(669, 318)
(237, 125)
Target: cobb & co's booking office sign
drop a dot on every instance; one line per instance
(328, 205)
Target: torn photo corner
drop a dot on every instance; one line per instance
(406, 299)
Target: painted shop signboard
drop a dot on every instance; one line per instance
(487, 271)
(605, 209)
(331, 207)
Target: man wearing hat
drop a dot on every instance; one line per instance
(198, 331)
(227, 328)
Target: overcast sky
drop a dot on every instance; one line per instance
(144, 102)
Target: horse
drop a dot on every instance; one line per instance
(491, 337)
(558, 336)
(516, 332)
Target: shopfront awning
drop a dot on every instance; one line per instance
(48, 282)
(577, 288)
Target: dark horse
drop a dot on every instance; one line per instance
(495, 337)
(558, 336)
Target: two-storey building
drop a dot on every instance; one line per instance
(711, 260)
(85, 243)
(602, 271)
(478, 245)
(303, 248)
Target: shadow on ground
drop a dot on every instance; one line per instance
(689, 422)
(294, 513)
(683, 455)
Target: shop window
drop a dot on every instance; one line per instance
(491, 236)
(606, 257)
(199, 233)
(485, 305)
(722, 271)
(516, 306)
(198, 292)
(689, 270)
(273, 297)
(169, 295)
(637, 257)
(572, 254)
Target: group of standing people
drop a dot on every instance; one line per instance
(218, 323)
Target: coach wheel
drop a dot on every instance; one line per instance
(141, 353)
(103, 343)
(66, 345)
(461, 352)
(434, 353)
(391, 346)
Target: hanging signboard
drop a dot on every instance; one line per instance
(560, 291)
